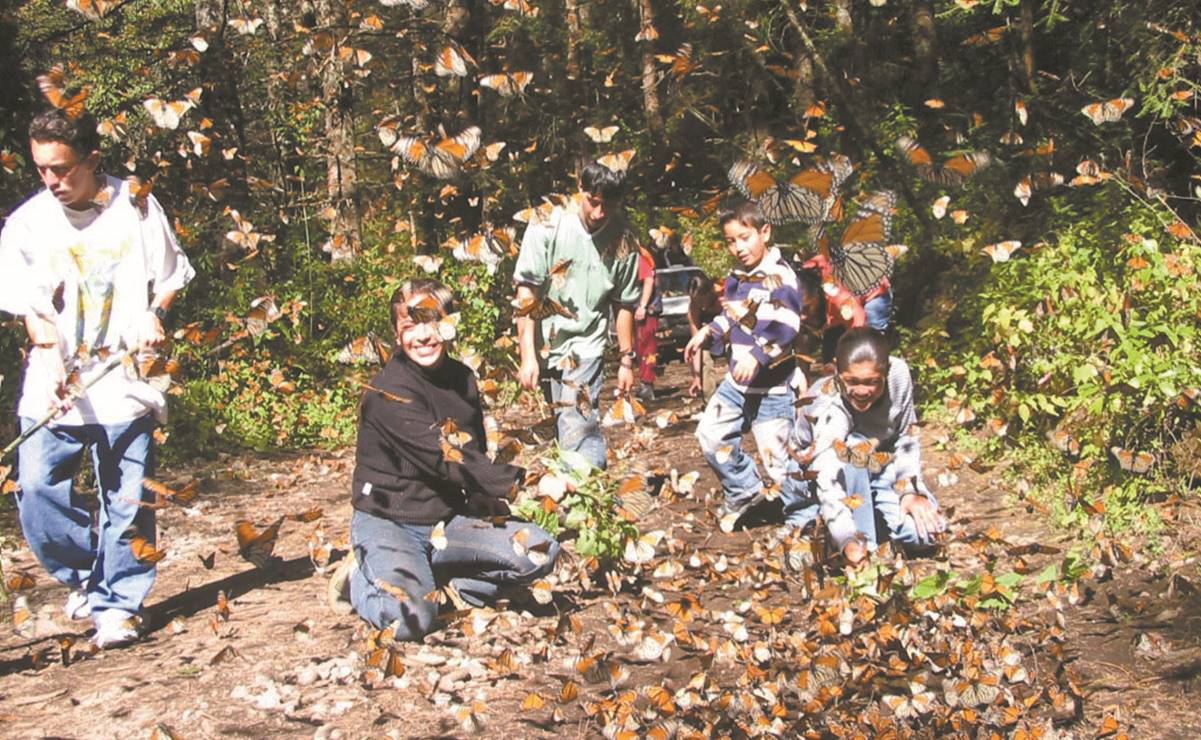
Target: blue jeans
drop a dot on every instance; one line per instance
(879, 311)
(59, 528)
(478, 560)
(577, 432)
(881, 507)
(728, 415)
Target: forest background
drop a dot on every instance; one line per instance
(1050, 306)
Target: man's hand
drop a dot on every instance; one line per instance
(625, 379)
(694, 388)
(640, 313)
(745, 369)
(527, 374)
(926, 518)
(696, 343)
(487, 507)
(148, 332)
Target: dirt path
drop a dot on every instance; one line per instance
(281, 664)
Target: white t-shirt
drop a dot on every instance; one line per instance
(93, 274)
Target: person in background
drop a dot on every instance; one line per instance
(859, 437)
(839, 309)
(703, 306)
(93, 269)
(646, 325)
(430, 508)
(759, 322)
(587, 262)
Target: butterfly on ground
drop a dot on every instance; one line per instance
(1107, 111)
(810, 196)
(92, 9)
(862, 454)
(255, 545)
(507, 84)
(53, 86)
(438, 155)
(861, 258)
(952, 171)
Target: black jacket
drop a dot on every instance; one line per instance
(402, 471)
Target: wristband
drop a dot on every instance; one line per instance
(160, 313)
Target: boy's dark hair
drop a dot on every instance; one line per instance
(79, 133)
(599, 180)
(745, 212)
(809, 285)
(862, 344)
(420, 287)
(703, 305)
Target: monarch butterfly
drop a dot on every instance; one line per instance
(600, 135)
(952, 171)
(53, 86)
(1107, 111)
(809, 196)
(507, 84)
(1002, 251)
(255, 546)
(451, 61)
(539, 309)
(92, 9)
(861, 260)
(245, 26)
(862, 455)
(143, 549)
(414, 4)
(1032, 183)
(619, 162)
(441, 157)
(1134, 462)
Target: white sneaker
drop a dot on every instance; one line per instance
(77, 606)
(115, 628)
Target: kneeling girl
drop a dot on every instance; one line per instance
(857, 439)
(422, 460)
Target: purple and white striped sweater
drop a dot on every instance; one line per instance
(770, 291)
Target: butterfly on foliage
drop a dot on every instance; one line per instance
(810, 196)
(861, 259)
(1131, 461)
(1107, 111)
(439, 156)
(507, 84)
(951, 171)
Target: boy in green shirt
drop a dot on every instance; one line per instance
(583, 262)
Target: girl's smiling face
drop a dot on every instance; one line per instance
(862, 384)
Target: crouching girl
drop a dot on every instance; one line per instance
(430, 507)
(857, 439)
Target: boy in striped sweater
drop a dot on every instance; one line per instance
(762, 306)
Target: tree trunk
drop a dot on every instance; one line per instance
(650, 78)
(571, 12)
(221, 102)
(1026, 26)
(341, 174)
(925, 50)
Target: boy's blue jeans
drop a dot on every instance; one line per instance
(879, 311)
(59, 528)
(728, 415)
(881, 506)
(478, 560)
(576, 431)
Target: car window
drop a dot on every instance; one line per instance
(675, 282)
